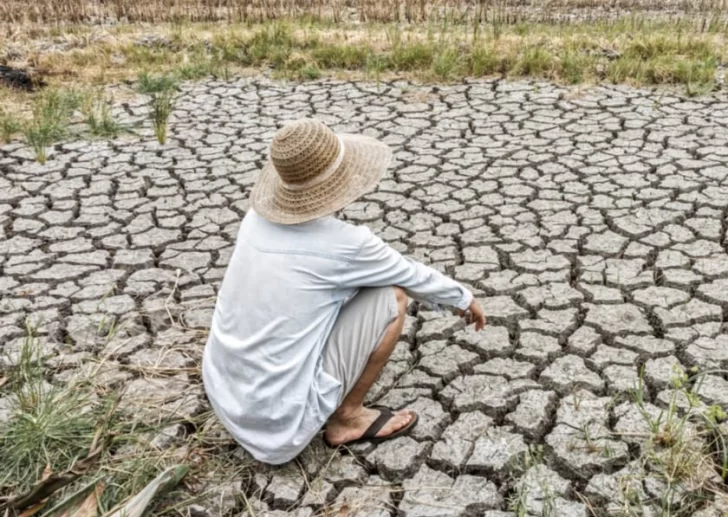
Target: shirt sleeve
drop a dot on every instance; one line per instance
(377, 264)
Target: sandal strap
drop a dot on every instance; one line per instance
(385, 415)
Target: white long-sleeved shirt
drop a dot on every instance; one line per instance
(278, 302)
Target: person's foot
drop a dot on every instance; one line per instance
(341, 430)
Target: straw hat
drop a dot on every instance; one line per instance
(313, 172)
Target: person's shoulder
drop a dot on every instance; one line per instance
(345, 238)
(345, 230)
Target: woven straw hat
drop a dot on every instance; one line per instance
(313, 172)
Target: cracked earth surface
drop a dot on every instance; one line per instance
(591, 224)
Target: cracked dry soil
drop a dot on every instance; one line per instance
(591, 224)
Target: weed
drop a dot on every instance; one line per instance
(309, 72)
(50, 428)
(574, 66)
(150, 84)
(162, 104)
(9, 127)
(97, 114)
(535, 61)
(51, 114)
(446, 63)
(484, 60)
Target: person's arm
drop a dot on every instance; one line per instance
(376, 264)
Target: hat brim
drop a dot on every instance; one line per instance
(363, 165)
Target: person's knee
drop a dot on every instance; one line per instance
(402, 301)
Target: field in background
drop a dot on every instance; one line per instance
(53, 11)
(74, 48)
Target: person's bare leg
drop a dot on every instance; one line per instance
(351, 419)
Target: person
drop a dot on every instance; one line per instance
(311, 307)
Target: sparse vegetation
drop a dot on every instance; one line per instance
(684, 449)
(160, 109)
(79, 433)
(97, 114)
(630, 50)
(51, 114)
(9, 127)
(156, 11)
(149, 83)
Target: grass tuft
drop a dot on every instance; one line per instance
(52, 111)
(161, 108)
(52, 428)
(9, 127)
(97, 114)
(148, 84)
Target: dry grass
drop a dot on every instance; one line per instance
(634, 51)
(55, 428)
(18, 11)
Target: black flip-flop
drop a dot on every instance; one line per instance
(370, 435)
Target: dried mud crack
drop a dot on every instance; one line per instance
(592, 225)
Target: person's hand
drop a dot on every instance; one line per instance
(474, 314)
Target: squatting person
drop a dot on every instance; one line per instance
(311, 307)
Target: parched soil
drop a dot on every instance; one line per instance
(591, 223)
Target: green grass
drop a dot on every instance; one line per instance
(52, 111)
(51, 427)
(97, 115)
(148, 83)
(9, 127)
(665, 54)
(683, 446)
(634, 50)
(160, 109)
